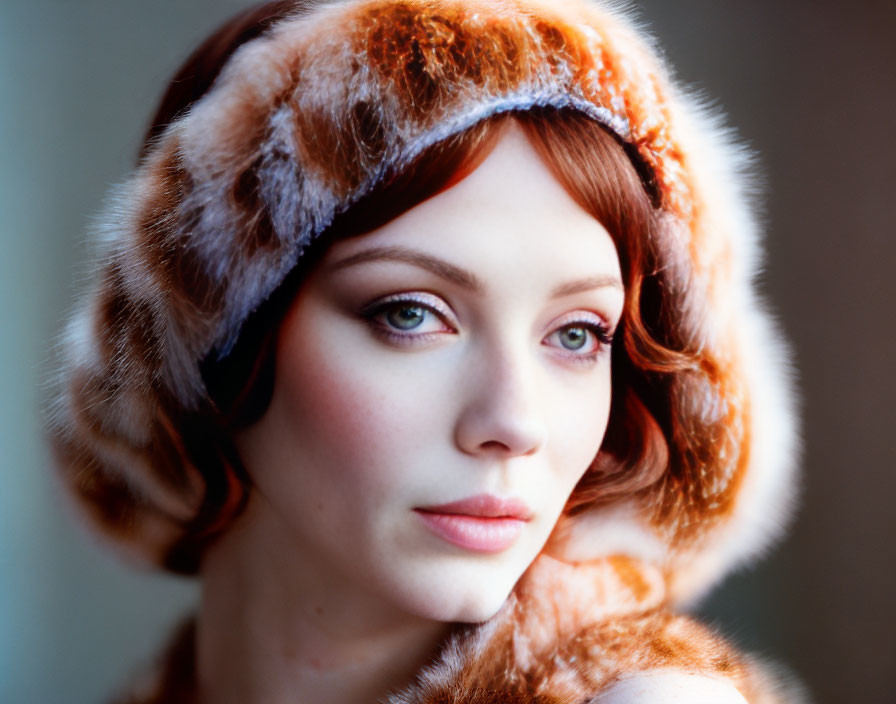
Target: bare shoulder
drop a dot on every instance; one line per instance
(662, 686)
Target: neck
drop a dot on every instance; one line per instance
(275, 626)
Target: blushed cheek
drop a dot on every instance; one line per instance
(332, 410)
(355, 408)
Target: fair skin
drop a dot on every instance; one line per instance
(460, 350)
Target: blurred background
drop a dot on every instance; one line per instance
(809, 87)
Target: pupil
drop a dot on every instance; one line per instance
(573, 338)
(405, 317)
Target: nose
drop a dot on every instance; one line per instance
(502, 413)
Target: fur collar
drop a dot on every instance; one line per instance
(567, 633)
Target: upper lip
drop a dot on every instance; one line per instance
(486, 506)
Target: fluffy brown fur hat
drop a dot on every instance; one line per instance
(307, 119)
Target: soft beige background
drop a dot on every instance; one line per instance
(809, 85)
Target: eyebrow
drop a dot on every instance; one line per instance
(589, 283)
(464, 277)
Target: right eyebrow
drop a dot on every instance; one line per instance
(439, 267)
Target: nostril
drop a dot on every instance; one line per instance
(494, 446)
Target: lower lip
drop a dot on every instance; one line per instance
(476, 533)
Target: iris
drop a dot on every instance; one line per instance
(405, 317)
(573, 338)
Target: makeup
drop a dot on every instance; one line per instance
(481, 523)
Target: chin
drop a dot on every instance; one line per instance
(477, 613)
(461, 599)
(473, 610)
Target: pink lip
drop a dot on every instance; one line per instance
(481, 523)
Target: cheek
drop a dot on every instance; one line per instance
(325, 398)
(328, 414)
(355, 413)
(578, 423)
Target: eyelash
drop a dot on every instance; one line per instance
(600, 331)
(373, 312)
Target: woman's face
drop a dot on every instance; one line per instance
(459, 353)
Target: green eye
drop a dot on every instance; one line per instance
(405, 317)
(573, 338)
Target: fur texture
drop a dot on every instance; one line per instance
(301, 124)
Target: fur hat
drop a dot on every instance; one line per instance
(308, 118)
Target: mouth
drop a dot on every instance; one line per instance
(482, 523)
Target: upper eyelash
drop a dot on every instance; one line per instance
(372, 310)
(602, 332)
(382, 303)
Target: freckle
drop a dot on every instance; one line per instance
(319, 610)
(320, 507)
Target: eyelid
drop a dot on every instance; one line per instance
(585, 317)
(426, 300)
(596, 325)
(433, 304)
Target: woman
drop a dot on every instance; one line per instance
(424, 336)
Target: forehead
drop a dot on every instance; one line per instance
(509, 218)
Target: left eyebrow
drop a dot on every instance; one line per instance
(437, 266)
(587, 284)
